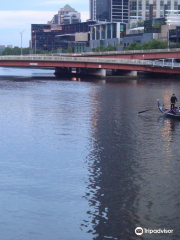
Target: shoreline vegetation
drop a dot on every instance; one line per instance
(154, 44)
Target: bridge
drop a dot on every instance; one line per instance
(87, 65)
(136, 54)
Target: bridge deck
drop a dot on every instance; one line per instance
(136, 54)
(82, 62)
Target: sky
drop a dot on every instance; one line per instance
(17, 16)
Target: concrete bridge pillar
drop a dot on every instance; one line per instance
(95, 72)
(77, 70)
(61, 71)
(118, 72)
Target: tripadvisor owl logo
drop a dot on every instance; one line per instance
(139, 231)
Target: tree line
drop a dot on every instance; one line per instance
(25, 51)
(154, 44)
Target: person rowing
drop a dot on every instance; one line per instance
(173, 101)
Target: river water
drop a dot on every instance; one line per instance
(77, 162)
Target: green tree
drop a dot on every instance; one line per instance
(105, 49)
(154, 44)
(15, 51)
(133, 46)
(69, 50)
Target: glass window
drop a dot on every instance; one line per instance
(147, 4)
(161, 13)
(175, 5)
(121, 27)
(161, 5)
(109, 31)
(140, 5)
(97, 32)
(169, 5)
(103, 10)
(133, 5)
(154, 5)
(103, 30)
(153, 26)
(114, 30)
(133, 14)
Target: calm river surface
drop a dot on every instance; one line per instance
(77, 162)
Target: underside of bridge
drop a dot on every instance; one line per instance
(80, 72)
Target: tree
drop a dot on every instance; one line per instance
(133, 46)
(15, 51)
(69, 50)
(105, 49)
(154, 44)
(25, 51)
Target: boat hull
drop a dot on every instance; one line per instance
(168, 112)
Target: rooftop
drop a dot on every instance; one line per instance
(68, 8)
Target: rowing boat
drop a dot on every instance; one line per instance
(175, 112)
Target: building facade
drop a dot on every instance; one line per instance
(139, 38)
(76, 36)
(151, 9)
(78, 42)
(109, 10)
(174, 35)
(51, 36)
(77, 27)
(153, 29)
(43, 36)
(68, 15)
(108, 33)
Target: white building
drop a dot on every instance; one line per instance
(68, 15)
(150, 9)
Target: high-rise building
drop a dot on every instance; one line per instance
(109, 10)
(68, 15)
(151, 9)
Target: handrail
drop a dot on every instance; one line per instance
(109, 52)
(50, 58)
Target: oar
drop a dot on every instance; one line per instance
(147, 110)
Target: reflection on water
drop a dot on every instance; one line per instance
(133, 168)
(77, 162)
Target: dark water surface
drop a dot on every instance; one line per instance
(78, 163)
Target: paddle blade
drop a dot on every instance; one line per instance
(144, 111)
(147, 110)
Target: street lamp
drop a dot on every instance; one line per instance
(168, 22)
(21, 38)
(35, 43)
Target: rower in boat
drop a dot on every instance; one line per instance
(173, 101)
(175, 112)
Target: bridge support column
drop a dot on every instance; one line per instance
(65, 71)
(78, 70)
(94, 72)
(61, 71)
(132, 73)
(118, 72)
